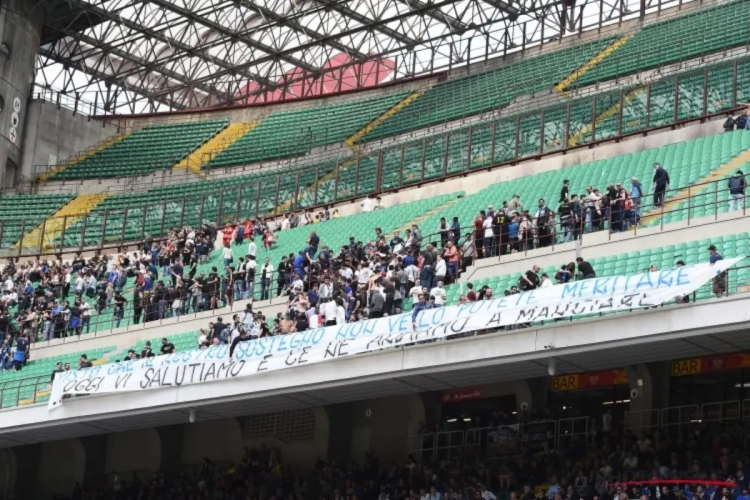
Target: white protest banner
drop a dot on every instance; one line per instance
(214, 364)
(402, 323)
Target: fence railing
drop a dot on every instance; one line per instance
(162, 311)
(331, 153)
(459, 152)
(516, 438)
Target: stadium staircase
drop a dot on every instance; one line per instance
(50, 229)
(418, 220)
(601, 118)
(218, 143)
(591, 63)
(83, 155)
(351, 142)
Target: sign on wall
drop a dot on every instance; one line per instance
(589, 380)
(15, 120)
(711, 364)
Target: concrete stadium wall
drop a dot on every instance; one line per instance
(133, 451)
(201, 439)
(61, 465)
(54, 133)
(20, 28)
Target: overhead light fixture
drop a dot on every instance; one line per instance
(451, 420)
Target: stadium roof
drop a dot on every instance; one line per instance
(133, 56)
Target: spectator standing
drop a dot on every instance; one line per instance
(636, 193)
(479, 233)
(368, 204)
(566, 219)
(58, 369)
(451, 255)
(720, 281)
(377, 303)
(542, 219)
(661, 184)
(737, 185)
(488, 236)
(565, 191)
(439, 293)
(441, 269)
(83, 362)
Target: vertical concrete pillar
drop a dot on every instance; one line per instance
(20, 34)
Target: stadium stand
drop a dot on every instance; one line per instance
(21, 213)
(144, 151)
(605, 415)
(696, 34)
(687, 162)
(471, 95)
(699, 34)
(690, 252)
(292, 133)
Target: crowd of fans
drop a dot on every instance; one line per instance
(323, 284)
(689, 459)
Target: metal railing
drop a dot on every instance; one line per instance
(514, 439)
(550, 102)
(458, 153)
(573, 428)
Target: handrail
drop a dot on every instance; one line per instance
(427, 444)
(559, 233)
(492, 156)
(733, 287)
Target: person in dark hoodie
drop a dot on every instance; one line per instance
(737, 184)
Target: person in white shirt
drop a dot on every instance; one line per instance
(313, 319)
(412, 273)
(10, 298)
(328, 310)
(439, 293)
(340, 312)
(227, 255)
(266, 277)
(9, 284)
(368, 204)
(298, 284)
(545, 281)
(363, 274)
(488, 236)
(346, 273)
(487, 494)
(252, 248)
(80, 283)
(607, 421)
(415, 292)
(441, 268)
(326, 289)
